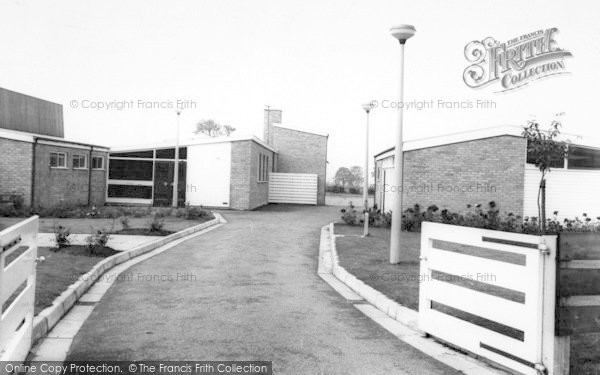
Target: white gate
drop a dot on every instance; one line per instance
(490, 293)
(18, 251)
(299, 188)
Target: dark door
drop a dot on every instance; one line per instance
(163, 183)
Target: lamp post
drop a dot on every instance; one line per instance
(402, 33)
(367, 107)
(176, 169)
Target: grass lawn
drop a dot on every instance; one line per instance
(61, 269)
(368, 259)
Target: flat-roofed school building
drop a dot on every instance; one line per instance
(38, 164)
(476, 167)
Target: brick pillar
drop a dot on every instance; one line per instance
(271, 117)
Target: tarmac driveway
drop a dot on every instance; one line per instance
(246, 291)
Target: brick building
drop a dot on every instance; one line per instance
(488, 165)
(230, 172)
(38, 163)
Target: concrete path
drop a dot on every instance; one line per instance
(248, 290)
(119, 242)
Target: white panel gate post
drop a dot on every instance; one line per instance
(507, 315)
(18, 252)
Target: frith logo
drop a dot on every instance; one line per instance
(516, 62)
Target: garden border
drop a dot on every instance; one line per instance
(51, 315)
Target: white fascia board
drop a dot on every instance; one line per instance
(472, 135)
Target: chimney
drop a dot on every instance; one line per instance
(272, 117)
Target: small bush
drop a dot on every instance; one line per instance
(156, 223)
(124, 220)
(334, 188)
(350, 215)
(97, 240)
(61, 236)
(195, 213)
(354, 190)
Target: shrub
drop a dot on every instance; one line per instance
(195, 213)
(156, 223)
(350, 215)
(334, 188)
(61, 236)
(124, 220)
(97, 240)
(379, 219)
(354, 190)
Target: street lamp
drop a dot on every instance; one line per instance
(176, 169)
(367, 107)
(402, 33)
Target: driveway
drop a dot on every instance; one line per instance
(246, 291)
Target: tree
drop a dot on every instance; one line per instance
(357, 172)
(545, 152)
(213, 129)
(343, 177)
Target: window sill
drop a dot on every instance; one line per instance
(58, 168)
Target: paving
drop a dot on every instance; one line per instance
(248, 290)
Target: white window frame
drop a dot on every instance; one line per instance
(102, 166)
(85, 159)
(58, 166)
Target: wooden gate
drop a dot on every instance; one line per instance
(491, 293)
(298, 188)
(18, 251)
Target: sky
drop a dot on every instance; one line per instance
(317, 61)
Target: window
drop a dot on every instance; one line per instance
(558, 161)
(583, 158)
(58, 160)
(79, 161)
(97, 162)
(263, 168)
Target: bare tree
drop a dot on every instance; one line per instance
(213, 129)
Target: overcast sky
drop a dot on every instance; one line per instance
(317, 61)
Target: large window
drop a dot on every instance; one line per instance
(79, 161)
(263, 168)
(58, 160)
(139, 170)
(557, 162)
(97, 162)
(583, 158)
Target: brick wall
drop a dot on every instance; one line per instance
(472, 172)
(15, 168)
(270, 118)
(302, 152)
(56, 185)
(246, 192)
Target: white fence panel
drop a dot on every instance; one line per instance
(298, 188)
(18, 251)
(483, 291)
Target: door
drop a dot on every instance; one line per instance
(163, 183)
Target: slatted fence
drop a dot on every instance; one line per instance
(18, 251)
(298, 188)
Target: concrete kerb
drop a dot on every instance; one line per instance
(394, 310)
(50, 316)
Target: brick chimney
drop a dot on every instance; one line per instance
(271, 117)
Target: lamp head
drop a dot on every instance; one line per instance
(367, 107)
(403, 32)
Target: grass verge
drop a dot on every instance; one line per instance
(61, 269)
